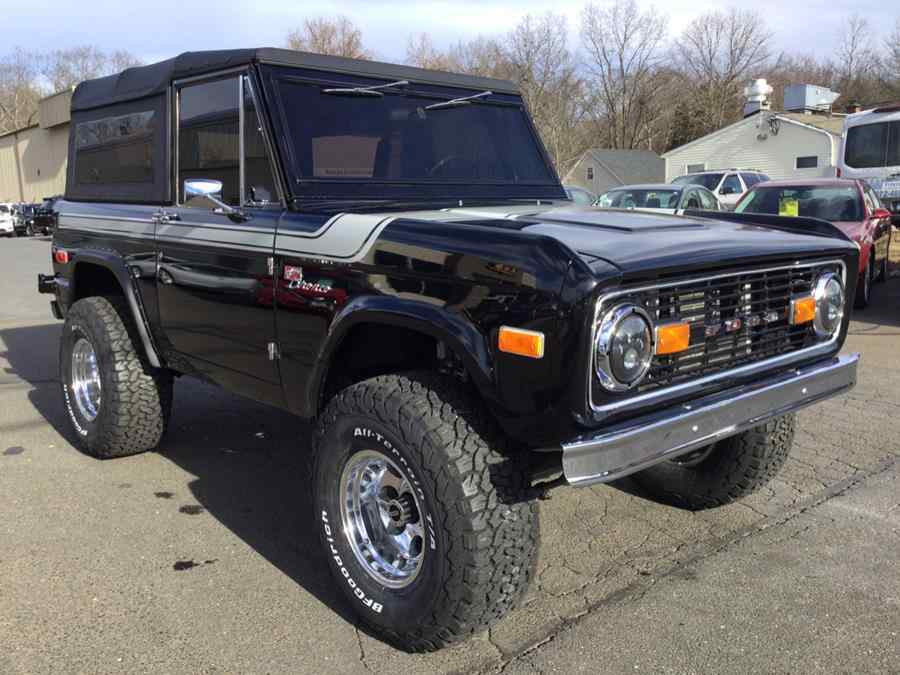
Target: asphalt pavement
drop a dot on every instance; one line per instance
(203, 557)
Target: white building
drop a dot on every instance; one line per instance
(805, 141)
(599, 170)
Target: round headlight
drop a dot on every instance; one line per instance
(829, 295)
(624, 347)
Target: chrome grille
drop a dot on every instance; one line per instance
(734, 320)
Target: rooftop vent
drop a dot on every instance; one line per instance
(757, 94)
(808, 98)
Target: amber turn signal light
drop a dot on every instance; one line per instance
(803, 310)
(672, 338)
(522, 342)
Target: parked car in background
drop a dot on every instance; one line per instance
(851, 205)
(580, 196)
(662, 198)
(43, 220)
(22, 215)
(728, 186)
(871, 151)
(7, 221)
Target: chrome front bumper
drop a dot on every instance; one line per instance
(639, 443)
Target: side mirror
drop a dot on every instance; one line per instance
(202, 187)
(211, 189)
(881, 213)
(727, 190)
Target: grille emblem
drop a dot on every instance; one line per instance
(735, 324)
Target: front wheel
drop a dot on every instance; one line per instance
(423, 519)
(723, 472)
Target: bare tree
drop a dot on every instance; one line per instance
(19, 93)
(336, 36)
(64, 68)
(855, 56)
(890, 72)
(624, 50)
(717, 53)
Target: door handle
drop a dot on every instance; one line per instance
(167, 218)
(165, 277)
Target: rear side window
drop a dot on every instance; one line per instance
(751, 179)
(116, 149)
(866, 145)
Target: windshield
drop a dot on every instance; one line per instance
(707, 180)
(4, 208)
(640, 199)
(827, 203)
(579, 196)
(338, 137)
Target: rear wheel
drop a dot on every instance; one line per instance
(117, 403)
(722, 472)
(425, 522)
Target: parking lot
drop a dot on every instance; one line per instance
(203, 557)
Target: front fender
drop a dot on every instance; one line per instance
(460, 336)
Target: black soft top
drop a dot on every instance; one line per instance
(143, 81)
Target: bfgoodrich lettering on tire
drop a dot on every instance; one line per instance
(118, 404)
(421, 514)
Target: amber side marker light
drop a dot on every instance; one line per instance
(803, 310)
(672, 338)
(521, 342)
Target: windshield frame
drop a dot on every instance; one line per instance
(304, 187)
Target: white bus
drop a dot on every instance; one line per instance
(871, 151)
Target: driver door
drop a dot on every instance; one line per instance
(214, 275)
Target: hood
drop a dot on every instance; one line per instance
(641, 243)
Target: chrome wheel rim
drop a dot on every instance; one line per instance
(381, 518)
(86, 379)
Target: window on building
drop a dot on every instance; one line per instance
(808, 162)
(208, 138)
(115, 149)
(590, 173)
(695, 168)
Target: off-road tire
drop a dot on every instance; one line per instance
(136, 398)
(864, 285)
(736, 467)
(480, 554)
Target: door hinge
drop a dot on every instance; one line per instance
(274, 352)
(270, 265)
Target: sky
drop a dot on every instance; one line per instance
(157, 29)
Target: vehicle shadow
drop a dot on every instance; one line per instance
(249, 463)
(883, 309)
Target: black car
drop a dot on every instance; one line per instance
(43, 219)
(388, 251)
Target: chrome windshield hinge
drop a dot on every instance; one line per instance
(274, 352)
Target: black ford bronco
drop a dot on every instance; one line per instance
(389, 251)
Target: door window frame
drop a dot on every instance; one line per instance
(241, 76)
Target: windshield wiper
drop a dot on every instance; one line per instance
(456, 102)
(365, 91)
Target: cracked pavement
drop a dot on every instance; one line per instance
(203, 557)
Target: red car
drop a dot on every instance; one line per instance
(849, 204)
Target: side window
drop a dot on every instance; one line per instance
(208, 139)
(893, 149)
(259, 183)
(115, 149)
(865, 145)
(707, 200)
(691, 201)
(731, 185)
(750, 179)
